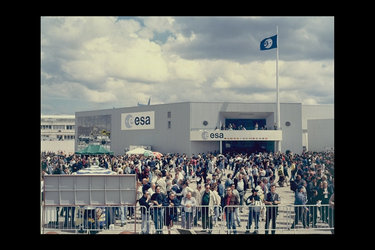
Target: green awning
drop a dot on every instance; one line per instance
(94, 150)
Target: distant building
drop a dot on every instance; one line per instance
(57, 133)
(201, 127)
(318, 127)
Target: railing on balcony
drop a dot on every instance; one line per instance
(235, 135)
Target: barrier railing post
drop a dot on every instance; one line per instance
(214, 219)
(135, 218)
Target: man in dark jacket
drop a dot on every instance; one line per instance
(230, 200)
(272, 199)
(170, 203)
(300, 209)
(295, 183)
(312, 213)
(157, 200)
(199, 175)
(144, 203)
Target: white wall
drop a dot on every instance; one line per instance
(292, 135)
(162, 138)
(204, 147)
(321, 134)
(313, 112)
(55, 146)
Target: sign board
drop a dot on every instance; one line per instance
(138, 121)
(85, 190)
(236, 135)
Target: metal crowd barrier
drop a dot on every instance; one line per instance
(91, 219)
(280, 219)
(266, 219)
(204, 219)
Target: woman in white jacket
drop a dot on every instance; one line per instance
(208, 202)
(189, 204)
(217, 203)
(261, 195)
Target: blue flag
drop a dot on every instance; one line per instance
(269, 43)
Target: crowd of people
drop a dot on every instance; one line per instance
(222, 180)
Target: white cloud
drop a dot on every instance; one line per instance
(220, 83)
(99, 96)
(120, 55)
(159, 24)
(117, 63)
(190, 70)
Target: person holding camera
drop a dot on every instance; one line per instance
(254, 202)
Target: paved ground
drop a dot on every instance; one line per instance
(283, 222)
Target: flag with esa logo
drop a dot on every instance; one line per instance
(269, 43)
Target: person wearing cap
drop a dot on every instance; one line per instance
(254, 202)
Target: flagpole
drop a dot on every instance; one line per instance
(277, 88)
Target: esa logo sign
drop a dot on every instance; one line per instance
(136, 121)
(206, 135)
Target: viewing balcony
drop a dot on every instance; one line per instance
(235, 135)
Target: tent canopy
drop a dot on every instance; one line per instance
(95, 170)
(136, 151)
(94, 150)
(145, 152)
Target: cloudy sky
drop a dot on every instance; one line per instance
(90, 63)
